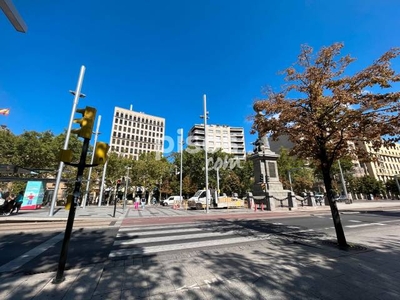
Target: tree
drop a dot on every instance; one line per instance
(148, 171)
(322, 111)
(391, 187)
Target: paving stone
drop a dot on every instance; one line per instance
(115, 295)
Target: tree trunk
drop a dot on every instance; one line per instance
(334, 210)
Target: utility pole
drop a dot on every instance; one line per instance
(103, 178)
(205, 117)
(342, 180)
(180, 174)
(126, 186)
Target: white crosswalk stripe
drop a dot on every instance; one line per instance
(137, 241)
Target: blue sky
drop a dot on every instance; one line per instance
(162, 56)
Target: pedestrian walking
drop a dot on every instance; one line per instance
(143, 203)
(18, 202)
(136, 203)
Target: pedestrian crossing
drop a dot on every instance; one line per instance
(142, 240)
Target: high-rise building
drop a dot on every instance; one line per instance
(134, 133)
(228, 139)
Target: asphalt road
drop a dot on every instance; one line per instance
(39, 251)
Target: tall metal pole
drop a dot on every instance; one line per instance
(217, 182)
(61, 166)
(103, 178)
(205, 147)
(126, 186)
(290, 181)
(91, 162)
(180, 174)
(343, 181)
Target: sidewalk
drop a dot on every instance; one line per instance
(278, 268)
(106, 212)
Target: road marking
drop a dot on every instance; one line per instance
(277, 224)
(23, 259)
(158, 227)
(364, 225)
(139, 233)
(355, 221)
(182, 246)
(172, 238)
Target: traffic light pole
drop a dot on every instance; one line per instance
(71, 216)
(115, 198)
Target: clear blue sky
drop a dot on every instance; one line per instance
(162, 56)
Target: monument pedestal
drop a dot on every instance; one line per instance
(266, 170)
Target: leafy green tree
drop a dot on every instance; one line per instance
(148, 171)
(321, 110)
(391, 187)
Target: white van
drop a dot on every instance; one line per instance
(172, 200)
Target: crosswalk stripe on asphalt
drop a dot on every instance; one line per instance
(135, 241)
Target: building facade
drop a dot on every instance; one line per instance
(134, 133)
(228, 139)
(387, 164)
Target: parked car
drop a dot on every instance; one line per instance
(172, 200)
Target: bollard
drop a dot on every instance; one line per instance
(262, 206)
(255, 207)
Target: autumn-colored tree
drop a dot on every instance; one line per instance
(322, 110)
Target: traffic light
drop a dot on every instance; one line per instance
(65, 155)
(266, 178)
(118, 183)
(100, 153)
(86, 122)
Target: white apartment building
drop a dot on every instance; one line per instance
(134, 133)
(228, 139)
(387, 164)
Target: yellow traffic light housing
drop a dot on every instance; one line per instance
(65, 155)
(100, 153)
(86, 122)
(68, 204)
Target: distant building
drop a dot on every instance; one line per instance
(134, 133)
(385, 167)
(387, 164)
(228, 139)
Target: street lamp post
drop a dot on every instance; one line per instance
(126, 186)
(77, 94)
(205, 117)
(217, 182)
(342, 180)
(13, 16)
(180, 174)
(103, 178)
(91, 162)
(290, 180)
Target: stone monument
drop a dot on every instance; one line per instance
(265, 167)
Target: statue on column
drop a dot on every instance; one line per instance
(261, 143)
